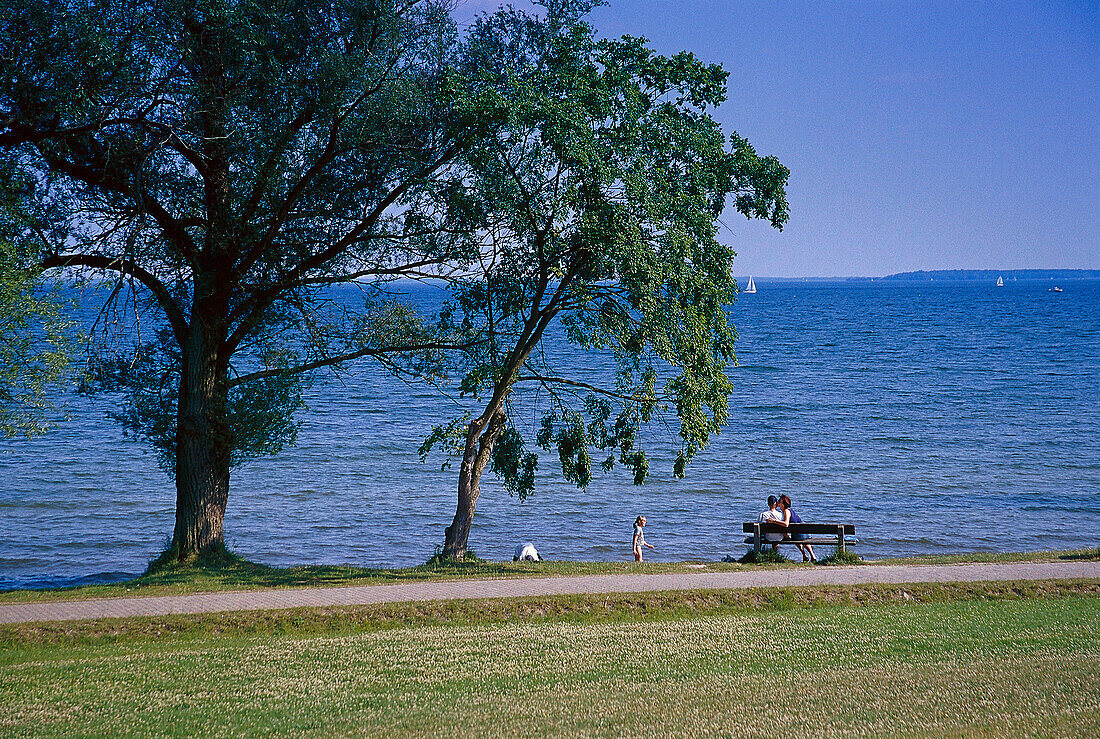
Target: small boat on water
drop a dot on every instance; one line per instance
(751, 287)
(1054, 289)
(1000, 282)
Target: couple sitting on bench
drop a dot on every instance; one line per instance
(779, 512)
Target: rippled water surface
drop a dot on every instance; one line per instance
(937, 417)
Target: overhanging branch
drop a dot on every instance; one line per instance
(339, 359)
(637, 398)
(126, 267)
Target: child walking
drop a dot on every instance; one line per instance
(639, 538)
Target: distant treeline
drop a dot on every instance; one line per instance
(992, 274)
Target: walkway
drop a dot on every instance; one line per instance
(518, 587)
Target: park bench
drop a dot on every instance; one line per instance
(839, 535)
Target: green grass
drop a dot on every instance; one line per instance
(244, 575)
(934, 660)
(230, 572)
(943, 559)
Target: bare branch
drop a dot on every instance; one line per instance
(340, 359)
(126, 267)
(586, 386)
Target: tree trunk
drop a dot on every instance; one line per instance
(203, 438)
(202, 446)
(480, 438)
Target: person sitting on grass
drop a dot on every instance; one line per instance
(773, 515)
(789, 517)
(639, 538)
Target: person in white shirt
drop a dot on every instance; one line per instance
(639, 538)
(773, 515)
(526, 552)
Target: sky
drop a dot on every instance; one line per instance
(919, 135)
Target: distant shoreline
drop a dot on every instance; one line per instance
(955, 275)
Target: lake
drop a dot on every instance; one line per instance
(938, 417)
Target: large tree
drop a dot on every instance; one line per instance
(600, 197)
(225, 162)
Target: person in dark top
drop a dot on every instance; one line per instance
(790, 517)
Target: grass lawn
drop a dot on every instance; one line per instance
(229, 572)
(240, 574)
(976, 665)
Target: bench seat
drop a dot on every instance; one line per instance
(831, 541)
(837, 534)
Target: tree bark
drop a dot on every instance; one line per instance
(203, 444)
(203, 436)
(480, 439)
(483, 432)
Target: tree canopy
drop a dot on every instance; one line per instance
(225, 162)
(599, 198)
(221, 164)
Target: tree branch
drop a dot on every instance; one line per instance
(100, 177)
(126, 267)
(586, 386)
(339, 359)
(252, 310)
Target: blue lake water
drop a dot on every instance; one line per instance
(938, 417)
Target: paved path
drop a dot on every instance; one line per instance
(249, 600)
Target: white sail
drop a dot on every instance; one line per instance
(1000, 282)
(751, 287)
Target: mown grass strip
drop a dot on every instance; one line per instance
(593, 608)
(870, 662)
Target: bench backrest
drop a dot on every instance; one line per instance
(800, 528)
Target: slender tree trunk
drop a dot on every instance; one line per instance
(202, 446)
(480, 439)
(483, 434)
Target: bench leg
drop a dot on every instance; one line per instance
(840, 538)
(756, 538)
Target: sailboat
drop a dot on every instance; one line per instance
(1000, 282)
(751, 287)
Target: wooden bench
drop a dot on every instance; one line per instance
(839, 535)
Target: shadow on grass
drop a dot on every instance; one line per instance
(219, 566)
(1089, 554)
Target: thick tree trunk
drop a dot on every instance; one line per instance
(203, 438)
(203, 446)
(480, 438)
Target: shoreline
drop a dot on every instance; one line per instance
(537, 583)
(234, 572)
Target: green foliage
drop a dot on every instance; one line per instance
(35, 350)
(37, 340)
(513, 464)
(763, 557)
(259, 414)
(214, 559)
(219, 165)
(841, 557)
(467, 561)
(598, 198)
(1092, 554)
(449, 436)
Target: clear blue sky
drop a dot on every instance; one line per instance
(919, 135)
